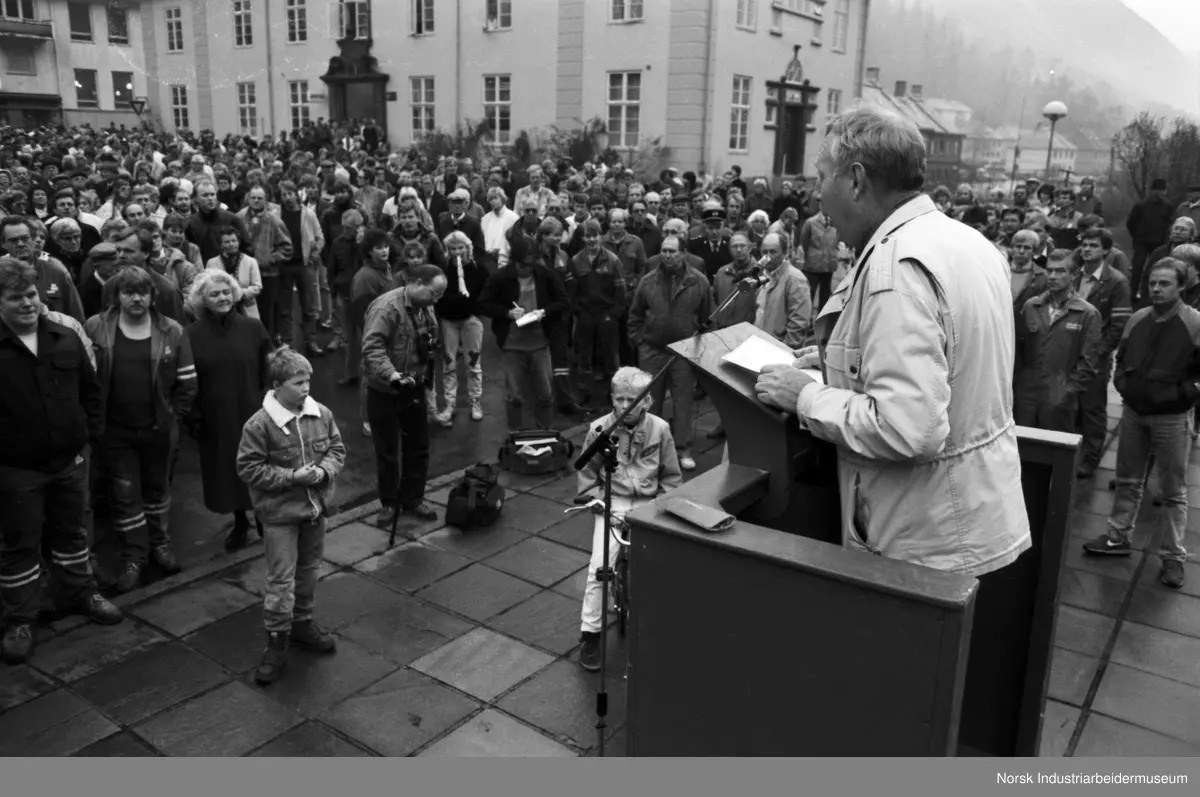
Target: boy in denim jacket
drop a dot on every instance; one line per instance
(647, 466)
(290, 454)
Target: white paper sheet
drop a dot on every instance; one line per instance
(755, 353)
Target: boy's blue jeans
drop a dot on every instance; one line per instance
(293, 556)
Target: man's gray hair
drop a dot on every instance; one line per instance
(889, 147)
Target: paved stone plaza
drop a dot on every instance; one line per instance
(456, 644)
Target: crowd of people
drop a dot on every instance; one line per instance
(148, 286)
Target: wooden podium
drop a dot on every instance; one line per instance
(771, 639)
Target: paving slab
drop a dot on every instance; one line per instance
(1082, 631)
(55, 724)
(229, 721)
(1150, 701)
(530, 513)
(1105, 737)
(561, 699)
(21, 683)
(475, 544)
(1154, 650)
(91, 648)
(1191, 572)
(478, 592)
(573, 585)
(1058, 723)
(193, 607)
(547, 620)
(575, 531)
(1087, 590)
(1071, 676)
(312, 682)
(354, 542)
(412, 566)
(561, 490)
(236, 642)
(400, 714)
(536, 559)
(1122, 568)
(405, 632)
(344, 597)
(149, 682)
(494, 734)
(310, 740)
(482, 663)
(119, 745)
(1166, 609)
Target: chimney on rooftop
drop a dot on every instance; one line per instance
(901, 86)
(916, 91)
(873, 76)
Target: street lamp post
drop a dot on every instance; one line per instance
(1053, 111)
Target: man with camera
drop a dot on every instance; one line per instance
(400, 340)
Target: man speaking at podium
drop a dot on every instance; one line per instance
(917, 349)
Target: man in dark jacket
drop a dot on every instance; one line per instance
(526, 287)
(600, 302)
(43, 471)
(1103, 287)
(205, 225)
(1158, 376)
(671, 303)
(1148, 224)
(1058, 337)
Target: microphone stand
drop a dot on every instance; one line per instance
(606, 446)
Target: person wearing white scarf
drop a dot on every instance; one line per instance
(462, 331)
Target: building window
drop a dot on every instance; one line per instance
(841, 25)
(118, 25)
(422, 107)
(353, 19)
(499, 14)
(17, 9)
(247, 109)
(80, 18)
(298, 103)
(243, 27)
(179, 107)
(747, 14)
(833, 102)
(624, 108)
(497, 106)
(297, 22)
(174, 17)
(19, 60)
(422, 17)
(85, 89)
(739, 115)
(626, 11)
(122, 89)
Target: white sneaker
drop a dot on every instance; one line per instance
(687, 463)
(476, 412)
(366, 429)
(445, 418)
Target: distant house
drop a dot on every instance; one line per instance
(1093, 155)
(944, 137)
(1032, 162)
(991, 146)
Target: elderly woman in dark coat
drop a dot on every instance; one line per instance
(230, 351)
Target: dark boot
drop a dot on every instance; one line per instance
(564, 399)
(307, 635)
(589, 651)
(237, 538)
(274, 658)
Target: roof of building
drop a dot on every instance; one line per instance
(949, 112)
(913, 110)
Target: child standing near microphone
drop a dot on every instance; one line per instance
(647, 466)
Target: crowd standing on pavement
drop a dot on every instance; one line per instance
(149, 283)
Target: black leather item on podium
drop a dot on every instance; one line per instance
(802, 495)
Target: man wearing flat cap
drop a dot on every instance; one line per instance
(457, 219)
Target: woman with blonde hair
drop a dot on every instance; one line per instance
(230, 351)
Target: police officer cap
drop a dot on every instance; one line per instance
(712, 211)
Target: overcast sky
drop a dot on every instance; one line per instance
(1178, 20)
